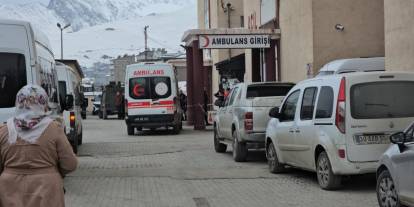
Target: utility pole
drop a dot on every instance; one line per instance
(146, 41)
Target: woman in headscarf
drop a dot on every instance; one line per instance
(34, 154)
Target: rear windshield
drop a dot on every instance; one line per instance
(150, 87)
(267, 90)
(393, 99)
(12, 77)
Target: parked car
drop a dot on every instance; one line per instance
(241, 121)
(151, 94)
(339, 124)
(395, 174)
(353, 65)
(26, 57)
(69, 92)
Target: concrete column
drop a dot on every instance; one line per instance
(271, 61)
(198, 86)
(190, 85)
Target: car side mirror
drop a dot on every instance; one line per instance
(274, 113)
(399, 139)
(69, 102)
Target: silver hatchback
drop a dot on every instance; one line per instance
(395, 174)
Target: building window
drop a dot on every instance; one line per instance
(242, 21)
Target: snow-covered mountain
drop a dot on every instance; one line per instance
(102, 28)
(83, 13)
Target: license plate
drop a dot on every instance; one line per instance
(372, 139)
(142, 119)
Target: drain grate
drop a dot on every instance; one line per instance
(201, 202)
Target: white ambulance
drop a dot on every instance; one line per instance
(151, 97)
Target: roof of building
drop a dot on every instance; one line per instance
(75, 63)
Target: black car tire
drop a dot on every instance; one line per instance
(326, 178)
(273, 161)
(75, 145)
(218, 146)
(239, 149)
(80, 139)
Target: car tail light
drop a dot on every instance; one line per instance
(341, 153)
(72, 119)
(341, 108)
(248, 121)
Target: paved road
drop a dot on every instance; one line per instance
(160, 170)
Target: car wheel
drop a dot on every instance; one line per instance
(80, 138)
(386, 192)
(131, 130)
(239, 149)
(218, 146)
(273, 161)
(326, 178)
(75, 145)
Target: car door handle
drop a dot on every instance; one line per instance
(297, 131)
(291, 131)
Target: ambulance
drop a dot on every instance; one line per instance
(151, 98)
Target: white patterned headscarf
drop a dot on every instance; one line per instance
(31, 115)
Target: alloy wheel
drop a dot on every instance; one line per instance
(271, 156)
(323, 170)
(387, 193)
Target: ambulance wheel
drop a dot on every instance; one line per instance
(131, 130)
(177, 129)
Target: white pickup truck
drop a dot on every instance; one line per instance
(242, 119)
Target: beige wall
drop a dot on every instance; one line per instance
(309, 37)
(363, 35)
(399, 35)
(296, 38)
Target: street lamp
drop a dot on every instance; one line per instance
(61, 38)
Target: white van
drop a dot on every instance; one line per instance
(69, 96)
(339, 124)
(353, 65)
(151, 97)
(25, 58)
